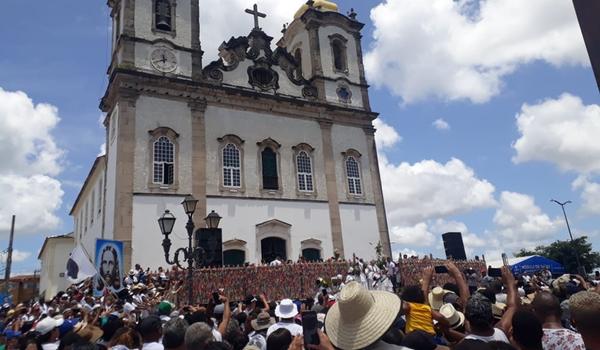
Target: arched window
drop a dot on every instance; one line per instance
(163, 15)
(305, 172)
(298, 58)
(338, 49)
(269, 169)
(163, 164)
(231, 166)
(353, 175)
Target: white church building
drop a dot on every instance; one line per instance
(276, 137)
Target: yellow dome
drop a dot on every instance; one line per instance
(322, 5)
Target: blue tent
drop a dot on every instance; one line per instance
(533, 264)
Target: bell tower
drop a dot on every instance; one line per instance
(159, 37)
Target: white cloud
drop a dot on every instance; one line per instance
(386, 136)
(590, 195)
(17, 256)
(440, 48)
(102, 149)
(428, 189)
(30, 161)
(520, 220)
(418, 235)
(217, 24)
(441, 124)
(561, 131)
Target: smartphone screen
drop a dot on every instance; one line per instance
(492, 272)
(309, 328)
(441, 269)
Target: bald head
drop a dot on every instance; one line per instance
(546, 305)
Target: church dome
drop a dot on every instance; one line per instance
(321, 5)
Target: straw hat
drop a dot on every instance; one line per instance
(498, 309)
(455, 318)
(360, 317)
(436, 297)
(263, 321)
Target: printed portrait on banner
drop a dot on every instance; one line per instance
(109, 264)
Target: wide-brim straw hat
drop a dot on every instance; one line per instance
(360, 317)
(436, 297)
(455, 318)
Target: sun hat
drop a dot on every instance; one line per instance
(436, 297)
(264, 320)
(360, 317)
(46, 325)
(498, 309)
(286, 309)
(455, 318)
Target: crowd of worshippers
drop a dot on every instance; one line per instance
(499, 311)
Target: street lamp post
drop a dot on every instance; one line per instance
(580, 269)
(192, 255)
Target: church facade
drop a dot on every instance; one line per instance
(276, 137)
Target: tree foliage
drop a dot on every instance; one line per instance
(564, 253)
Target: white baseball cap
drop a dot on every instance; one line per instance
(46, 325)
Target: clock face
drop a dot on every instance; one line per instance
(163, 60)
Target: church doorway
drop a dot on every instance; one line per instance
(234, 257)
(311, 254)
(273, 247)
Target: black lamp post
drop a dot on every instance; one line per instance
(580, 269)
(190, 254)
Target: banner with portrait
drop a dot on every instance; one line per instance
(109, 264)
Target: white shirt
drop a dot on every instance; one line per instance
(153, 346)
(275, 263)
(295, 329)
(50, 346)
(497, 336)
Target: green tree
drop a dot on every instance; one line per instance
(564, 253)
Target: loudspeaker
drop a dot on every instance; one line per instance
(453, 244)
(209, 244)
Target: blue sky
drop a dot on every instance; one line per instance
(489, 168)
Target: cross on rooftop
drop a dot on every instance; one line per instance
(256, 14)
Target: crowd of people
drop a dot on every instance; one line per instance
(372, 305)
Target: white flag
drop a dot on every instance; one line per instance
(79, 267)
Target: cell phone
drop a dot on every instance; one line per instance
(492, 272)
(309, 328)
(216, 298)
(441, 269)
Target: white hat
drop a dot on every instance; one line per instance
(436, 297)
(128, 307)
(360, 317)
(286, 309)
(455, 318)
(46, 325)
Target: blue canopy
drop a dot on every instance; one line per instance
(535, 263)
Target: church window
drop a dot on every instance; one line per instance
(163, 15)
(338, 52)
(85, 217)
(269, 169)
(100, 192)
(163, 165)
(92, 202)
(298, 58)
(231, 167)
(305, 173)
(231, 163)
(353, 176)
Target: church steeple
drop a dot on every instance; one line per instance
(157, 36)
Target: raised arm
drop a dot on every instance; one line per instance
(226, 315)
(459, 278)
(427, 276)
(512, 299)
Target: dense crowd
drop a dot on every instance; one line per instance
(372, 305)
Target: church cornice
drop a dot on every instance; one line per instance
(133, 83)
